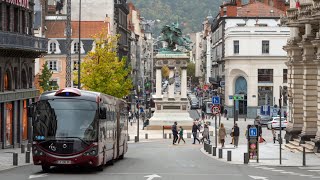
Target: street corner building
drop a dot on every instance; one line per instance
(303, 55)
(18, 50)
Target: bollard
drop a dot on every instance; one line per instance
(246, 158)
(131, 123)
(188, 135)
(23, 148)
(229, 156)
(28, 157)
(128, 138)
(165, 136)
(29, 145)
(220, 153)
(170, 135)
(146, 136)
(210, 149)
(15, 159)
(211, 133)
(136, 139)
(304, 156)
(214, 151)
(205, 147)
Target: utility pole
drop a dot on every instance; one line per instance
(68, 34)
(79, 51)
(280, 129)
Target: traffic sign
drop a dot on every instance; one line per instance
(222, 83)
(238, 97)
(231, 97)
(253, 132)
(215, 100)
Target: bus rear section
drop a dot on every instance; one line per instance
(65, 132)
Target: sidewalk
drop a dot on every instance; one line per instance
(6, 158)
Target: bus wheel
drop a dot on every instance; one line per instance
(45, 168)
(100, 168)
(121, 156)
(111, 162)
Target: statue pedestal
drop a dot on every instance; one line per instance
(175, 106)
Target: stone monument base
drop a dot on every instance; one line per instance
(160, 119)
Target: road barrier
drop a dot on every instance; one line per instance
(23, 148)
(220, 153)
(15, 159)
(146, 136)
(214, 151)
(163, 128)
(28, 157)
(246, 158)
(229, 156)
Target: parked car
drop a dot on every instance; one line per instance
(275, 123)
(194, 102)
(262, 119)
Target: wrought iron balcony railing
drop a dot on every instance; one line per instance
(15, 41)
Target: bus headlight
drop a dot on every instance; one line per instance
(92, 152)
(37, 152)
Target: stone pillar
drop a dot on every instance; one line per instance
(171, 85)
(183, 83)
(309, 88)
(316, 43)
(158, 83)
(295, 86)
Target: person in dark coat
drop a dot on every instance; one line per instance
(174, 133)
(236, 134)
(195, 130)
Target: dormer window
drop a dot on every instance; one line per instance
(76, 47)
(53, 47)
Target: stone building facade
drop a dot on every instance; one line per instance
(18, 50)
(303, 63)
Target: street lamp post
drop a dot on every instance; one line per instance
(79, 51)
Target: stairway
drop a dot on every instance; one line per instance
(295, 146)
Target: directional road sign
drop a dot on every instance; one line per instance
(238, 97)
(215, 100)
(253, 132)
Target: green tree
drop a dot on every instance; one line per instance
(44, 78)
(103, 71)
(191, 72)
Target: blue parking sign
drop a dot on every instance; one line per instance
(215, 100)
(253, 132)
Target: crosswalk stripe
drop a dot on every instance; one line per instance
(314, 170)
(285, 172)
(305, 175)
(277, 170)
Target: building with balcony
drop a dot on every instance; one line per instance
(303, 61)
(247, 56)
(18, 50)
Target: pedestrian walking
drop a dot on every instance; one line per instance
(181, 135)
(261, 139)
(174, 133)
(225, 112)
(236, 134)
(222, 134)
(195, 130)
(274, 134)
(231, 135)
(130, 116)
(205, 134)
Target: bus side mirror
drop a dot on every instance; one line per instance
(103, 113)
(30, 110)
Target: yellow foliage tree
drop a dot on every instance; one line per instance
(103, 71)
(165, 71)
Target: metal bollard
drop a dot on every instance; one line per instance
(29, 145)
(131, 123)
(214, 151)
(220, 153)
(229, 156)
(128, 138)
(146, 136)
(165, 136)
(205, 147)
(170, 135)
(23, 148)
(136, 139)
(188, 135)
(210, 149)
(304, 156)
(246, 158)
(28, 157)
(211, 133)
(15, 159)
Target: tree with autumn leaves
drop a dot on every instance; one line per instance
(103, 71)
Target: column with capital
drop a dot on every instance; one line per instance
(158, 83)
(171, 84)
(183, 83)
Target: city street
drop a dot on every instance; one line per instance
(159, 159)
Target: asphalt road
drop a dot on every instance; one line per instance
(158, 160)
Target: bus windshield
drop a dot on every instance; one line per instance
(65, 118)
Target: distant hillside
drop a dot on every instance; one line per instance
(189, 13)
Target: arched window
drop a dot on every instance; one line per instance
(16, 78)
(76, 47)
(7, 81)
(24, 80)
(53, 47)
(30, 77)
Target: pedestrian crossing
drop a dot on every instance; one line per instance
(307, 172)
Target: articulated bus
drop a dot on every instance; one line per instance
(73, 127)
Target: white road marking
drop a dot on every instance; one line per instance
(277, 170)
(176, 174)
(304, 175)
(316, 177)
(267, 168)
(285, 172)
(315, 170)
(150, 177)
(259, 177)
(38, 176)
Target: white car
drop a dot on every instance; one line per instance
(275, 123)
